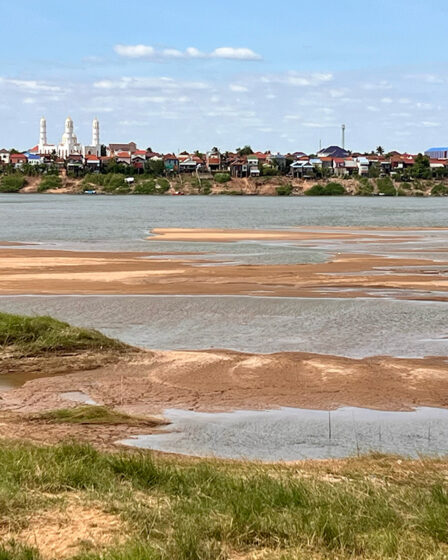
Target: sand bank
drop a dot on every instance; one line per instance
(146, 383)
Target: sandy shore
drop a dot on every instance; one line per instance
(147, 382)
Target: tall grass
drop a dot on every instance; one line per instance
(35, 335)
(215, 510)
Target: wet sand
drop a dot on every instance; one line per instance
(147, 382)
(346, 274)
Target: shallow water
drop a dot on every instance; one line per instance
(289, 434)
(354, 328)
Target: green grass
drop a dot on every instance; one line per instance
(36, 335)
(89, 414)
(370, 508)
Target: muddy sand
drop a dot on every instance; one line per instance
(354, 271)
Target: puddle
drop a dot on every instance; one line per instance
(10, 381)
(290, 434)
(78, 396)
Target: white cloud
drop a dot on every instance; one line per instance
(372, 109)
(135, 51)
(430, 124)
(151, 53)
(29, 100)
(163, 84)
(300, 80)
(231, 53)
(237, 88)
(387, 100)
(30, 85)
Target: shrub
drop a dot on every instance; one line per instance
(164, 185)
(316, 190)
(12, 183)
(146, 187)
(365, 187)
(284, 190)
(222, 177)
(331, 189)
(386, 187)
(50, 182)
(439, 190)
(334, 189)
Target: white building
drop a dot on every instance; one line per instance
(69, 144)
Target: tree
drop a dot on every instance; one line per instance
(246, 151)
(421, 168)
(380, 150)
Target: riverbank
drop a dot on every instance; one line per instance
(190, 184)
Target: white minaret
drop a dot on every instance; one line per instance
(96, 133)
(43, 134)
(69, 127)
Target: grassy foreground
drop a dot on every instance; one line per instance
(28, 336)
(149, 508)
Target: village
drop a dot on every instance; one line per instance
(70, 158)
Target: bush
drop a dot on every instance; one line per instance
(334, 189)
(146, 187)
(365, 187)
(316, 190)
(386, 187)
(164, 185)
(268, 171)
(284, 190)
(331, 189)
(50, 182)
(222, 177)
(439, 190)
(12, 183)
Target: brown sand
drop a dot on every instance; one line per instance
(37, 271)
(145, 383)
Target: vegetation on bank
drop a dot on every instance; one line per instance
(160, 509)
(330, 189)
(92, 414)
(27, 336)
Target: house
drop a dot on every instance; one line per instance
(188, 164)
(363, 165)
(171, 163)
(114, 149)
(138, 159)
(213, 160)
(239, 167)
(74, 163)
(92, 163)
(4, 156)
(437, 153)
(302, 170)
(34, 159)
(17, 160)
(123, 157)
(253, 165)
(334, 152)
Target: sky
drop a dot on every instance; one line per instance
(180, 75)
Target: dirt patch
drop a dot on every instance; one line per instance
(64, 533)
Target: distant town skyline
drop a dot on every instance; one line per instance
(283, 77)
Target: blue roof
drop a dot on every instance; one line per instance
(437, 150)
(32, 156)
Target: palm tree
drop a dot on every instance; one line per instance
(380, 150)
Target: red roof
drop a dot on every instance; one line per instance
(140, 153)
(124, 154)
(91, 157)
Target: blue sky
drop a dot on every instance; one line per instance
(281, 76)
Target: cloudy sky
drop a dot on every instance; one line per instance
(277, 75)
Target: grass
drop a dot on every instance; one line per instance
(374, 507)
(27, 336)
(90, 414)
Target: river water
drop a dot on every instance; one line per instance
(353, 327)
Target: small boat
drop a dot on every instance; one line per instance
(89, 192)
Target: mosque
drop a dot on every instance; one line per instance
(69, 144)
